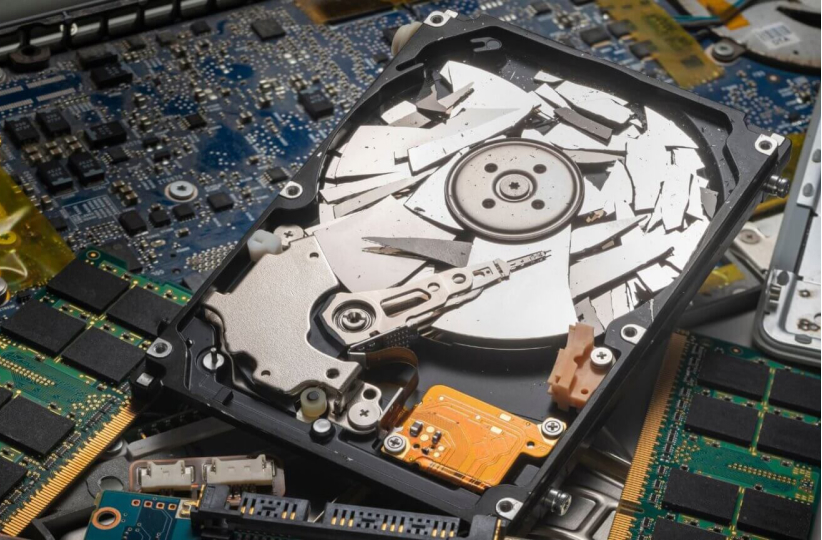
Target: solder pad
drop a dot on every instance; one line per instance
(478, 443)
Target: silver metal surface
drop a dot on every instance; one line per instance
(181, 191)
(657, 276)
(368, 198)
(756, 241)
(508, 508)
(291, 190)
(404, 114)
(666, 131)
(428, 200)
(342, 244)
(632, 333)
(289, 233)
(532, 307)
(356, 317)
(489, 90)
(558, 502)
(545, 77)
(4, 289)
(591, 236)
(281, 360)
(364, 415)
(213, 360)
(778, 186)
(570, 138)
(614, 264)
(160, 348)
(765, 145)
(552, 428)
(595, 102)
(586, 314)
(395, 444)
(646, 162)
(450, 252)
(343, 190)
(602, 357)
(424, 155)
(514, 190)
(551, 96)
(695, 205)
(673, 199)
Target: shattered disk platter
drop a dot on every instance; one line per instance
(448, 296)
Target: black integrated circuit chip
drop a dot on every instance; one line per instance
(722, 420)
(790, 438)
(132, 223)
(119, 248)
(734, 375)
(159, 218)
(87, 286)
(110, 75)
(268, 29)
(103, 355)
(5, 395)
(54, 176)
(59, 223)
(21, 131)
(86, 168)
(53, 123)
(107, 134)
(796, 392)
(220, 201)
(96, 57)
(592, 36)
(774, 517)
(700, 496)
(10, 475)
(665, 529)
(142, 311)
(541, 7)
(621, 29)
(642, 49)
(117, 155)
(316, 104)
(183, 212)
(198, 28)
(195, 121)
(276, 174)
(42, 327)
(32, 427)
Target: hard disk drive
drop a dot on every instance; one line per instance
(449, 296)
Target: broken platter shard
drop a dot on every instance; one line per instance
(449, 295)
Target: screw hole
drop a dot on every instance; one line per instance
(313, 255)
(265, 373)
(538, 204)
(459, 278)
(491, 167)
(436, 19)
(630, 331)
(332, 373)
(539, 168)
(506, 506)
(369, 393)
(488, 203)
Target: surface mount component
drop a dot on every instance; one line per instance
(465, 441)
(325, 344)
(701, 468)
(788, 320)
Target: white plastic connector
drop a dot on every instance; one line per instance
(264, 243)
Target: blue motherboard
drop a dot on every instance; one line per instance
(220, 111)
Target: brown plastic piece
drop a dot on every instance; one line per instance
(574, 377)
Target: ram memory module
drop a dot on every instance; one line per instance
(66, 354)
(730, 448)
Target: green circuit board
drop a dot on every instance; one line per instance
(674, 442)
(99, 411)
(125, 516)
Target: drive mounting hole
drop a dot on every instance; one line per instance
(490, 167)
(488, 203)
(332, 373)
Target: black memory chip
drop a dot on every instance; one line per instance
(621, 29)
(722, 420)
(10, 475)
(108, 134)
(110, 75)
(32, 427)
(103, 355)
(195, 121)
(142, 311)
(796, 392)
(54, 176)
(159, 218)
(642, 49)
(183, 212)
(790, 438)
(96, 57)
(86, 168)
(43, 328)
(267, 29)
(734, 375)
(665, 529)
(5, 395)
(592, 36)
(700, 496)
(120, 248)
(775, 517)
(87, 286)
(53, 123)
(21, 131)
(199, 28)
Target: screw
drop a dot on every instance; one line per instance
(558, 502)
(749, 237)
(354, 319)
(552, 428)
(363, 415)
(322, 429)
(777, 186)
(394, 444)
(160, 348)
(602, 357)
(804, 293)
